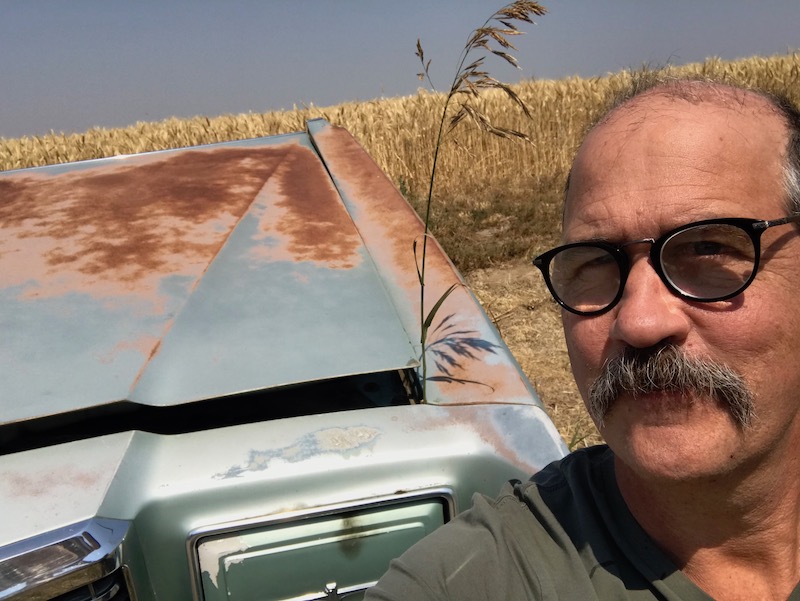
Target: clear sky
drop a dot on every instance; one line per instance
(68, 65)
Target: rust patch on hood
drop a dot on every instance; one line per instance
(42, 484)
(386, 220)
(115, 230)
(302, 217)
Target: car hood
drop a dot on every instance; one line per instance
(169, 277)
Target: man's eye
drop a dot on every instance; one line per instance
(592, 262)
(707, 247)
(702, 248)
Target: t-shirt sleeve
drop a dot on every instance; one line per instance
(467, 559)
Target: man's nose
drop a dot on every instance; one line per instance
(648, 312)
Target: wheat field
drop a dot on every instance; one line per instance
(496, 202)
(400, 132)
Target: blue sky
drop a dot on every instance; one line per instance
(68, 65)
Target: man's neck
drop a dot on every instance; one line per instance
(735, 537)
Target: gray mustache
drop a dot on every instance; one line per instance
(665, 368)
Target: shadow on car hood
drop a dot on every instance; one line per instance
(175, 276)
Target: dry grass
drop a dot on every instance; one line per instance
(498, 202)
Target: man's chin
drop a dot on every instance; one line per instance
(670, 436)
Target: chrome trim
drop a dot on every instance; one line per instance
(128, 577)
(333, 593)
(108, 596)
(62, 560)
(445, 493)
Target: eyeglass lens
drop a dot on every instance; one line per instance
(585, 278)
(705, 262)
(708, 261)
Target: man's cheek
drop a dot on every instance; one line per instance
(585, 347)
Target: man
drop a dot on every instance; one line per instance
(679, 280)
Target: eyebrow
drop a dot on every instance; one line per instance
(661, 230)
(612, 241)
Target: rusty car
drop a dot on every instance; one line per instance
(211, 377)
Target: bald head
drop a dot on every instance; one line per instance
(662, 104)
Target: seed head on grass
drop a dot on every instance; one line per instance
(493, 39)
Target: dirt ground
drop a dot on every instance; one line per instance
(517, 300)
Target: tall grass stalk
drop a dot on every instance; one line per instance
(469, 81)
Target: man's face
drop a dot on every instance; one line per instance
(657, 164)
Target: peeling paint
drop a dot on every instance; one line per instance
(345, 442)
(345, 439)
(212, 552)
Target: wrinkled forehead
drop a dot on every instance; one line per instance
(657, 143)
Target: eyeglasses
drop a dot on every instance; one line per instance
(705, 261)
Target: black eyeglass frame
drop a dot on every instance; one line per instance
(752, 227)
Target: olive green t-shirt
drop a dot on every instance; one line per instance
(565, 534)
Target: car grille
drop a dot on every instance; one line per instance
(109, 587)
(81, 562)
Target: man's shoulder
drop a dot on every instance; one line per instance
(588, 466)
(565, 489)
(559, 507)
(515, 546)
(571, 483)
